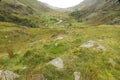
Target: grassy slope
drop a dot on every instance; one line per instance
(99, 12)
(30, 13)
(35, 47)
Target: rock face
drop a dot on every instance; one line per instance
(58, 62)
(8, 75)
(77, 75)
(88, 44)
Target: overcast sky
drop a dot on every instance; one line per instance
(62, 3)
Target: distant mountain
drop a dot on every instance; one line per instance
(99, 11)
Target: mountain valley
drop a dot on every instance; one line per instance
(41, 43)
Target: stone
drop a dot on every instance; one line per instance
(60, 21)
(77, 75)
(88, 44)
(58, 62)
(59, 38)
(6, 37)
(8, 75)
(93, 44)
(56, 44)
(25, 67)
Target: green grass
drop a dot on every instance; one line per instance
(34, 47)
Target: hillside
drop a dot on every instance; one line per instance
(30, 13)
(99, 11)
(36, 5)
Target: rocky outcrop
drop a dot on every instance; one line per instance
(8, 75)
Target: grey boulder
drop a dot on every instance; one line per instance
(8, 75)
(58, 62)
